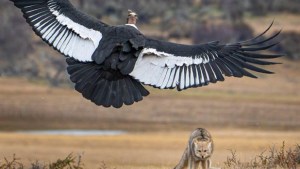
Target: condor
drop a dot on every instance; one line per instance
(110, 64)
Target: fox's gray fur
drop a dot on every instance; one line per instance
(194, 155)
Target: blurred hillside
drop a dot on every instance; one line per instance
(188, 21)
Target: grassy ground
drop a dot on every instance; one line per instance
(151, 150)
(245, 115)
(270, 102)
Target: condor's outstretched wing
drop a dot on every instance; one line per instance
(58, 23)
(168, 65)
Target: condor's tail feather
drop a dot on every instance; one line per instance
(104, 87)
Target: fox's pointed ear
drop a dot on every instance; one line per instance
(209, 145)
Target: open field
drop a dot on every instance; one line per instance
(270, 102)
(246, 115)
(151, 150)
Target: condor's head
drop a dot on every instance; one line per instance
(132, 17)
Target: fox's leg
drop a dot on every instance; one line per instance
(190, 163)
(204, 164)
(193, 164)
(209, 163)
(197, 165)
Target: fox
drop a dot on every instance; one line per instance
(198, 151)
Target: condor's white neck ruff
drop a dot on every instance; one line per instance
(133, 25)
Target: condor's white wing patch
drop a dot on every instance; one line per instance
(69, 36)
(170, 60)
(168, 65)
(164, 70)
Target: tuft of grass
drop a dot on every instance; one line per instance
(70, 162)
(11, 164)
(281, 158)
(274, 159)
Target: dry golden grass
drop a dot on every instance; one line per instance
(270, 102)
(150, 150)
